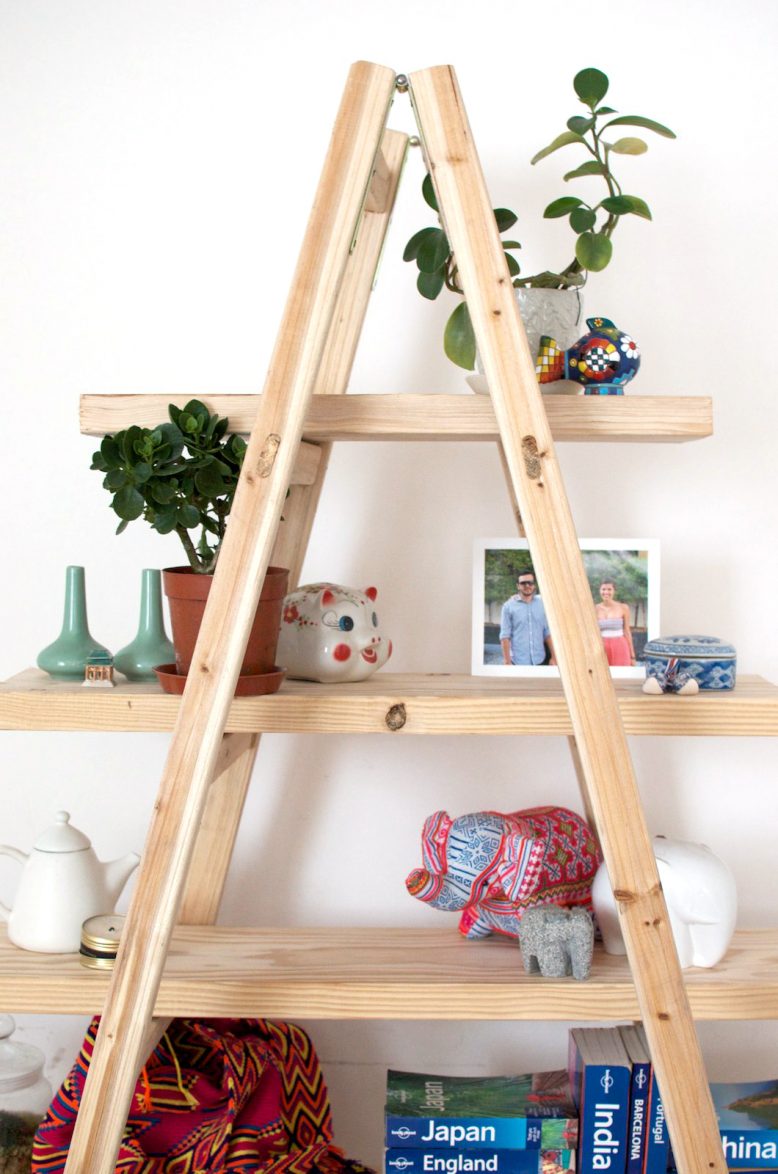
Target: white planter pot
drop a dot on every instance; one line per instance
(555, 312)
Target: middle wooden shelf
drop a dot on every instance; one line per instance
(404, 703)
(360, 973)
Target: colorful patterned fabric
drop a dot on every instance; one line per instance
(223, 1095)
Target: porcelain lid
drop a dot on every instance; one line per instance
(61, 837)
(20, 1064)
(696, 646)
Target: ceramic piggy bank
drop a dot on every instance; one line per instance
(493, 867)
(331, 633)
(603, 360)
(700, 895)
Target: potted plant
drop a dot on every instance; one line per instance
(181, 478)
(592, 224)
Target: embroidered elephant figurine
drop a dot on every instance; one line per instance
(557, 942)
(493, 867)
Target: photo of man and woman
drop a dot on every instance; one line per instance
(511, 631)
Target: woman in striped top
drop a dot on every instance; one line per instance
(613, 618)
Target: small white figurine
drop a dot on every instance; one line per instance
(700, 895)
(331, 633)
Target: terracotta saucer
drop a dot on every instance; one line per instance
(256, 686)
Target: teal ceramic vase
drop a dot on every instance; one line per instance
(66, 657)
(151, 646)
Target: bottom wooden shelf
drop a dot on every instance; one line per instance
(383, 974)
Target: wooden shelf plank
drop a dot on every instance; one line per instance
(352, 973)
(431, 704)
(648, 418)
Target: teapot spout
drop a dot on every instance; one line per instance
(116, 873)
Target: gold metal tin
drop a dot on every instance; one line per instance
(100, 940)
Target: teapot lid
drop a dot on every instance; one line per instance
(61, 837)
(20, 1064)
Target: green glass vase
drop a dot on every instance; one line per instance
(66, 657)
(151, 646)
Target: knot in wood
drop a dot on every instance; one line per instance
(529, 450)
(396, 717)
(267, 456)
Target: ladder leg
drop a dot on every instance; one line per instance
(259, 500)
(545, 513)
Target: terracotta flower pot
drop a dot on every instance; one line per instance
(187, 593)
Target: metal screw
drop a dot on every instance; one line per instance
(401, 82)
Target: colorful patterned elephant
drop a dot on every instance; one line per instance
(493, 867)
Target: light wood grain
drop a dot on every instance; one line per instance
(366, 973)
(644, 418)
(465, 206)
(245, 555)
(443, 704)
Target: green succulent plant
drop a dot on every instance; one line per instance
(592, 224)
(178, 477)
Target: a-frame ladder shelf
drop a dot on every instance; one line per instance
(647, 418)
(390, 703)
(351, 973)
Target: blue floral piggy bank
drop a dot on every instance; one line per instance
(603, 360)
(331, 633)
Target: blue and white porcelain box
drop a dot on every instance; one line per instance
(706, 658)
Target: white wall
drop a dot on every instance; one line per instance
(158, 162)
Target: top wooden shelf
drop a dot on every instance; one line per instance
(407, 703)
(648, 418)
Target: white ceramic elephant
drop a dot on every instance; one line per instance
(701, 899)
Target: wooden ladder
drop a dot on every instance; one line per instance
(206, 774)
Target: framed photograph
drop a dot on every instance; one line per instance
(511, 636)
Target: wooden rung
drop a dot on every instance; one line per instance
(646, 418)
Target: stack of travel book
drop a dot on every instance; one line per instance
(480, 1124)
(622, 1128)
(600, 1074)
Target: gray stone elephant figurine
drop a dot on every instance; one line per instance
(556, 942)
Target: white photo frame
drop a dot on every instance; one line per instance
(633, 563)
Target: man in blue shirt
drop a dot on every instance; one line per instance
(524, 633)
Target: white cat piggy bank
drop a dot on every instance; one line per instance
(331, 633)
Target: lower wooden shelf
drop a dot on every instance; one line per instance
(404, 703)
(383, 974)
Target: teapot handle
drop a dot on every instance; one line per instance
(15, 854)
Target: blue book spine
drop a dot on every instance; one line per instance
(509, 1133)
(489, 1161)
(639, 1095)
(747, 1149)
(658, 1139)
(604, 1119)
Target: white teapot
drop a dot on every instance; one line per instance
(63, 883)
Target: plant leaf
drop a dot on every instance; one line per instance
(505, 218)
(579, 124)
(629, 146)
(582, 219)
(459, 338)
(428, 191)
(433, 252)
(414, 244)
(429, 285)
(593, 251)
(605, 110)
(561, 207)
(590, 168)
(646, 123)
(513, 265)
(621, 205)
(562, 140)
(128, 503)
(591, 86)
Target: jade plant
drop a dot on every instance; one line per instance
(593, 224)
(179, 477)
